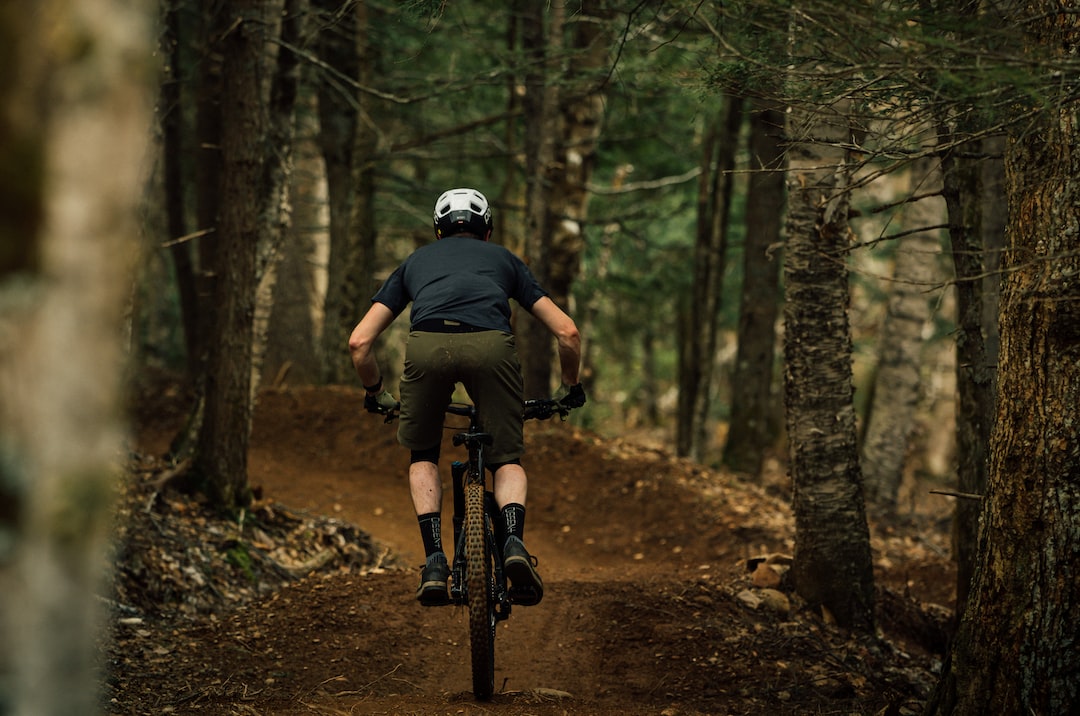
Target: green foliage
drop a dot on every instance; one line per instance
(431, 9)
(452, 59)
(237, 554)
(444, 108)
(896, 59)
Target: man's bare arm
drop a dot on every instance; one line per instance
(362, 342)
(566, 333)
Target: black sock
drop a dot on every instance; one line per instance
(514, 519)
(431, 532)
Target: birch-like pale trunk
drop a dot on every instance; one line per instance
(76, 123)
(832, 567)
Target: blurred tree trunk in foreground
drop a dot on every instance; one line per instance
(75, 114)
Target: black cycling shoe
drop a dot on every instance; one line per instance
(432, 590)
(526, 587)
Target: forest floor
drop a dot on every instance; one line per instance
(306, 606)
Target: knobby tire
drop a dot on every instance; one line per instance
(478, 585)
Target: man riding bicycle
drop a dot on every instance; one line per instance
(460, 289)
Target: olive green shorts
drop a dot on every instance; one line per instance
(486, 364)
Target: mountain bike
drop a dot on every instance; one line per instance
(477, 580)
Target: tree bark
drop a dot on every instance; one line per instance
(274, 206)
(256, 144)
(582, 110)
(208, 111)
(202, 250)
(832, 566)
(541, 42)
(977, 390)
(221, 452)
(360, 259)
(1015, 651)
(752, 424)
(349, 146)
(697, 358)
(898, 375)
(173, 152)
(291, 354)
(75, 116)
(974, 378)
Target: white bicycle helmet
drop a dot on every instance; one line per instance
(462, 211)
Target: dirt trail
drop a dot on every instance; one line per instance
(641, 556)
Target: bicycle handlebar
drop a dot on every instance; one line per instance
(544, 408)
(533, 409)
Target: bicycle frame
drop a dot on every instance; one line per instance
(477, 578)
(471, 472)
(462, 475)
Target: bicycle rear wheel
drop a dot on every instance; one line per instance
(481, 601)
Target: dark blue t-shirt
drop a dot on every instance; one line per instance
(460, 278)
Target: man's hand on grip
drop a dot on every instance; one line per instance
(381, 403)
(570, 396)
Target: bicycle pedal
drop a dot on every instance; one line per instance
(434, 598)
(525, 596)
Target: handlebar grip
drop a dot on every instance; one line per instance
(390, 413)
(544, 408)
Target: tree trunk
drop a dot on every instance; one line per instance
(360, 260)
(977, 382)
(255, 150)
(751, 425)
(697, 358)
(274, 207)
(582, 110)
(832, 566)
(541, 42)
(898, 376)
(338, 45)
(73, 124)
(173, 152)
(291, 341)
(1015, 651)
(202, 250)
(974, 377)
(993, 216)
(212, 26)
(221, 452)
